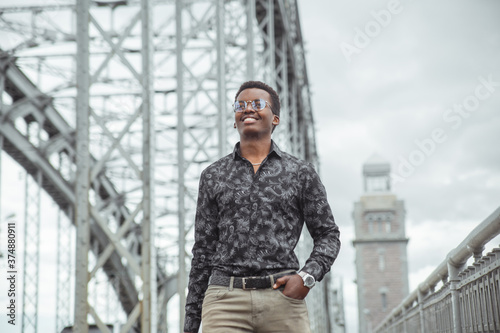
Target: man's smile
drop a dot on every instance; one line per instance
(249, 119)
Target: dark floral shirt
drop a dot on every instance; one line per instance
(248, 224)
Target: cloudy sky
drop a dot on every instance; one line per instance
(417, 82)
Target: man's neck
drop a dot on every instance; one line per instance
(255, 150)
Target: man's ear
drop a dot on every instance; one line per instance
(276, 120)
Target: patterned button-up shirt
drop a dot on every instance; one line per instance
(248, 224)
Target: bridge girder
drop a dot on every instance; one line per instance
(202, 51)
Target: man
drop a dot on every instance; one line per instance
(252, 205)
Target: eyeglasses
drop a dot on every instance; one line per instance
(258, 104)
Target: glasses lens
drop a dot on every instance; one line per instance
(259, 104)
(239, 106)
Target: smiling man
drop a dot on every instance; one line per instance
(252, 206)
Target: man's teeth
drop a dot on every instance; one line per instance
(249, 120)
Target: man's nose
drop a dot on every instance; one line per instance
(249, 108)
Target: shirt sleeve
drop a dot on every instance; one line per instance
(206, 236)
(320, 224)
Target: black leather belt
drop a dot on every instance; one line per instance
(248, 283)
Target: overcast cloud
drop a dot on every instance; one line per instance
(395, 91)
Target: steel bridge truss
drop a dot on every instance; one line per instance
(129, 101)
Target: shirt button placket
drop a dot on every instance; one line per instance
(254, 192)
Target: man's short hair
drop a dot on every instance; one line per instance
(275, 99)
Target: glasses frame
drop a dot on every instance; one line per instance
(252, 103)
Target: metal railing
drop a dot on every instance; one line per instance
(468, 299)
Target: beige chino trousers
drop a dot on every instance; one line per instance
(227, 310)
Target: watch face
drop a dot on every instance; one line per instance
(309, 281)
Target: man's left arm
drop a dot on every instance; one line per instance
(323, 229)
(320, 224)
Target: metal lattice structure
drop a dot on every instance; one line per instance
(131, 101)
(64, 272)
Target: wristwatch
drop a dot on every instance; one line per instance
(309, 280)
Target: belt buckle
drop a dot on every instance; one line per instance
(244, 283)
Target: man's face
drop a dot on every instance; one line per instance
(251, 122)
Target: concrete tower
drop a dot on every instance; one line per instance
(380, 244)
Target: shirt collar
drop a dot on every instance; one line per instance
(274, 149)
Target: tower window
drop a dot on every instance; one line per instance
(381, 260)
(377, 184)
(383, 297)
(379, 222)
